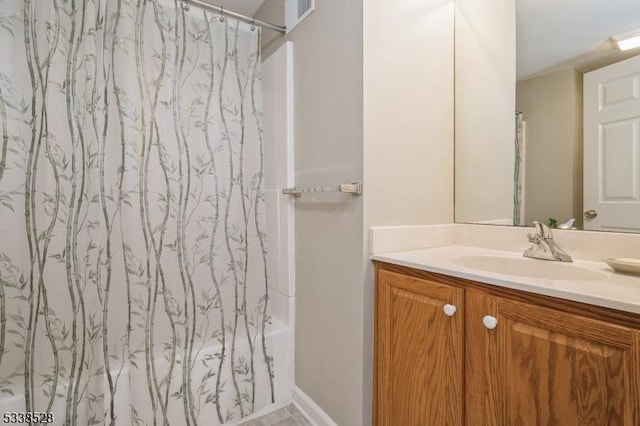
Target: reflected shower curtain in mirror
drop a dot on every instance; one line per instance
(518, 174)
(132, 260)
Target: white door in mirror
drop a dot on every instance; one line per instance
(612, 147)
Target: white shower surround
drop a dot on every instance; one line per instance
(278, 91)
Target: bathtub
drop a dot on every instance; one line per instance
(130, 396)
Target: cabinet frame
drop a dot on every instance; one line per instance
(447, 333)
(483, 404)
(613, 316)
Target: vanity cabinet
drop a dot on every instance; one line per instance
(420, 340)
(504, 357)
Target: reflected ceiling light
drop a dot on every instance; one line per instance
(628, 40)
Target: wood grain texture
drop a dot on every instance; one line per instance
(561, 369)
(419, 352)
(632, 384)
(482, 382)
(549, 361)
(613, 316)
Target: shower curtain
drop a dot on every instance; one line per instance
(518, 174)
(133, 270)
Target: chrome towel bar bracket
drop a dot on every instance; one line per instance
(354, 188)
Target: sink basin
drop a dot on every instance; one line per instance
(532, 268)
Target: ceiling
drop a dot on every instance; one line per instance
(551, 32)
(246, 7)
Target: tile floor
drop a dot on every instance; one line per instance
(287, 416)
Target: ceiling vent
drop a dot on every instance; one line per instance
(296, 10)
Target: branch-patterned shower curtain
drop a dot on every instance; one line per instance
(132, 246)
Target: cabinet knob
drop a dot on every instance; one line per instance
(449, 310)
(490, 322)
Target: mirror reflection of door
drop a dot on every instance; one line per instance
(556, 44)
(563, 177)
(612, 147)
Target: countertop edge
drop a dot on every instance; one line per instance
(392, 258)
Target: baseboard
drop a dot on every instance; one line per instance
(311, 410)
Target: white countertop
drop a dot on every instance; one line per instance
(614, 290)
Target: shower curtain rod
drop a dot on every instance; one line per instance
(225, 12)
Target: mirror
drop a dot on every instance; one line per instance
(547, 114)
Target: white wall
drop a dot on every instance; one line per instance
(408, 126)
(408, 111)
(329, 257)
(552, 108)
(373, 102)
(485, 110)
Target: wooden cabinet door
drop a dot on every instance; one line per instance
(547, 367)
(419, 352)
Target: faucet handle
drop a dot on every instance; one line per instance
(542, 230)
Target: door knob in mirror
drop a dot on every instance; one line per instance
(590, 214)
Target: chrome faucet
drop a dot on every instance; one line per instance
(543, 245)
